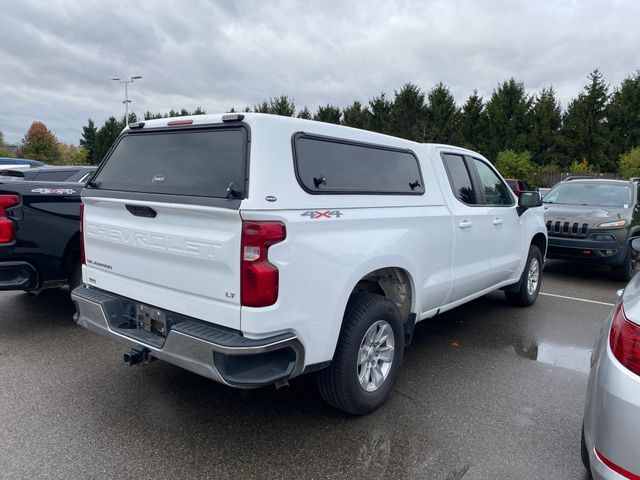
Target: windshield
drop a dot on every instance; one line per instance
(590, 194)
(206, 163)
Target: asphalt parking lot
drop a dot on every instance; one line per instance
(487, 391)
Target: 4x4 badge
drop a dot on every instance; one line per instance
(315, 214)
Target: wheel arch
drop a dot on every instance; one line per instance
(540, 241)
(390, 277)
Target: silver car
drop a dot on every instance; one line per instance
(611, 428)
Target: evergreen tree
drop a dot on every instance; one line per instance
(105, 138)
(88, 141)
(356, 116)
(199, 111)
(381, 117)
(4, 152)
(623, 115)
(546, 119)
(304, 113)
(40, 144)
(328, 114)
(442, 116)
(473, 122)
(408, 113)
(585, 133)
(282, 105)
(508, 119)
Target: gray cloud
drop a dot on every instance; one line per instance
(57, 57)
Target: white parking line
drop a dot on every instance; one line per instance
(578, 299)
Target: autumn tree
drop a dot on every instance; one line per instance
(39, 143)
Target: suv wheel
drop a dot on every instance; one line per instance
(624, 272)
(367, 358)
(527, 289)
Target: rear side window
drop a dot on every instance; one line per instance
(459, 178)
(201, 163)
(326, 165)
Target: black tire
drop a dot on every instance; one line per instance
(625, 271)
(584, 453)
(339, 384)
(519, 294)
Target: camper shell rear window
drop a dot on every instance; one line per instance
(204, 162)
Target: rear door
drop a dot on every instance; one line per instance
(160, 224)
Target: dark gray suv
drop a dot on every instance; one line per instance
(593, 221)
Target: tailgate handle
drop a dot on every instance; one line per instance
(141, 211)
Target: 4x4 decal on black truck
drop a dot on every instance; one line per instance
(315, 214)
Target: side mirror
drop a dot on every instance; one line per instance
(635, 244)
(528, 200)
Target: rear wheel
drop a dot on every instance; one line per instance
(624, 272)
(367, 358)
(525, 292)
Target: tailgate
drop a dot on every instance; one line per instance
(158, 228)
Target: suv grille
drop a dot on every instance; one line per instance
(567, 229)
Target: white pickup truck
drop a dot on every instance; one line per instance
(254, 248)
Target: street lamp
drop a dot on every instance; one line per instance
(126, 100)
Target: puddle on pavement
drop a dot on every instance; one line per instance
(565, 356)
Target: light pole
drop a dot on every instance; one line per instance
(126, 100)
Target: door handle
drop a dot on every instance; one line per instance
(497, 221)
(465, 224)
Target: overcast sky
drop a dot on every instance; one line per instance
(57, 57)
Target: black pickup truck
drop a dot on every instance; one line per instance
(39, 234)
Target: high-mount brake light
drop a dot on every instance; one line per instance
(233, 117)
(82, 255)
(7, 227)
(624, 339)
(174, 123)
(259, 278)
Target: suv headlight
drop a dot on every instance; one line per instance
(614, 224)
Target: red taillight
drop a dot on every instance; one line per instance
(617, 468)
(624, 339)
(82, 257)
(259, 278)
(7, 227)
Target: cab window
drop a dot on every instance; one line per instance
(495, 190)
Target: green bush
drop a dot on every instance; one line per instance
(629, 163)
(515, 165)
